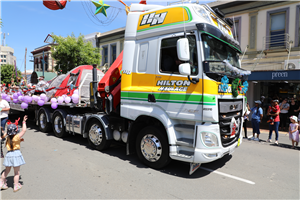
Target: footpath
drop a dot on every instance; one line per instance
(283, 138)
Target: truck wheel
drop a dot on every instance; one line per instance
(42, 121)
(58, 125)
(152, 147)
(96, 136)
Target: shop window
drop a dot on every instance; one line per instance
(297, 34)
(104, 55)
(169, 62)
(236, 28)
(113, 53)
(277, 27)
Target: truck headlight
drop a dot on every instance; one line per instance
(210, 139)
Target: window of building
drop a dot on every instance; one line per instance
(4, 60)
(169, 62)
(252, 34)
(297, 34)
(236, 28)
(277, 28)
(113, 53)
(1, 56)
(104, 55)
(4, 56)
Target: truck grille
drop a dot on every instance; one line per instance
(227, 110)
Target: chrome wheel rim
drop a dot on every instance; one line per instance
(95, 134)
(151, 148)
(58, 124)
(42, 120)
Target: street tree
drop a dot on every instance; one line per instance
(70, 52)
(8, 72)
(1, 22)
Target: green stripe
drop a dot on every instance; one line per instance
(160, 26)
(222, 41)
(172, 98)
(167, 101)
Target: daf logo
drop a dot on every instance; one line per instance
(233, 107)
(153, 19)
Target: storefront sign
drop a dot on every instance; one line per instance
(286, 75)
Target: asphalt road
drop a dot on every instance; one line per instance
(68, 169)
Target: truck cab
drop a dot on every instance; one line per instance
(181, 98)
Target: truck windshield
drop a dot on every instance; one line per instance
(217, 51)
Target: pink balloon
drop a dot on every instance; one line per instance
(4, 95)
(53, 100)
(24, 105)
(27, 99)
(54, 105)
(35, 98)
(60, 100)
(75, 98)
(8, 98)
(68, 99)
(20, 98)
(43, 96)
(41, 102)
(75, 92)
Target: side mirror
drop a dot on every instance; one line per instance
(183, 50)
(185, 69)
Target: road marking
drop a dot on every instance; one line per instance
(228, 175)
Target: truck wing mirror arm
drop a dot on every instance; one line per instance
(193, 80)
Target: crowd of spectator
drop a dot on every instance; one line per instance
(281, 116)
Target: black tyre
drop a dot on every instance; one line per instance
(96, 136)
(152, 147)
(44, 126)
(58, 125)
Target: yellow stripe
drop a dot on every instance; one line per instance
(140, 82)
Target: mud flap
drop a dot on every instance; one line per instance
(194, 167)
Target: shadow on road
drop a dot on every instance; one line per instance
(118, 150)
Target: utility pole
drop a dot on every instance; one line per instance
(25, 64)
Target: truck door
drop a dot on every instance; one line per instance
(173, 92)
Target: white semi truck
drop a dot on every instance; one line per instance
(169, 95)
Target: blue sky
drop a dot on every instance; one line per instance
(29, 22)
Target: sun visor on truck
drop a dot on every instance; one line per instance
(215, 32)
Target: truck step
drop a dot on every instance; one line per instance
(183, 155)
(185, 142)
(184, 128)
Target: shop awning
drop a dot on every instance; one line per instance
(283, 75)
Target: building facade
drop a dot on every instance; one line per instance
(7, 55)
(268, 32)
(111, 44)
(92, 38)
(38, 54)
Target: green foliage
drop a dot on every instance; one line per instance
(71, 52)
(8, 72)
(1, 22)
